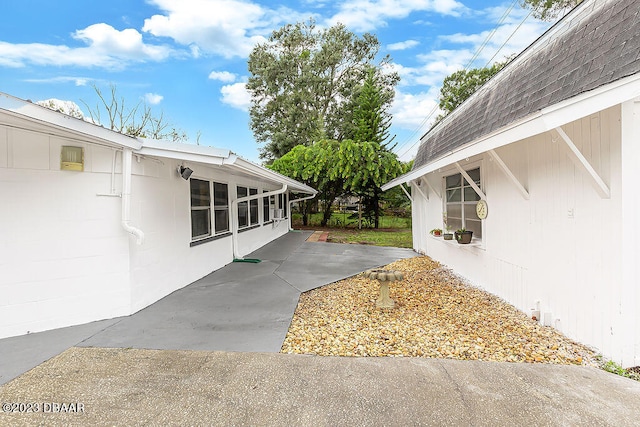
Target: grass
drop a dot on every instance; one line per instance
(399, 238)
(343, 228)
(348, 220)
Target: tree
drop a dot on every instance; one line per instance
(371, 119)
(548, 10)
(314, 165)
(365, 166)
(69, 108)
(370, 129)
(459, 86)
(302, 84)
(137, 121)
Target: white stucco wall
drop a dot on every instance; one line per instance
(562, 247)
(64, 257)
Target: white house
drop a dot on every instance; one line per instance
(551, 145)
(95, 224)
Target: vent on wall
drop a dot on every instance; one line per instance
(72, 158)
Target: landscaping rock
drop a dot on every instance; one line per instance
(437, 315)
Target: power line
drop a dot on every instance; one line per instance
(466, 68)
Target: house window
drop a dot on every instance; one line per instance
(266, 208)
(221, 207)
(282, 203)
(243, 208)
(253, 207)
(201, 207)
(460, 202)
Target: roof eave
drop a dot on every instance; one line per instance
(542, 121)
(62, 125)
(268, 174)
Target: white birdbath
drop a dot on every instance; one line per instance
(384, 277)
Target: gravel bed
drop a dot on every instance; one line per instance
(436, 315)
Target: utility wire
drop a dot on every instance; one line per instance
(466, 68)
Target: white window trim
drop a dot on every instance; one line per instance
(212, 234)
(467, 166)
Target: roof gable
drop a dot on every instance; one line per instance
(596, 44)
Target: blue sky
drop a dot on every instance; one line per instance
(187, 58)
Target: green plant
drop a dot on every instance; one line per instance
(436, 232)
(614, 368)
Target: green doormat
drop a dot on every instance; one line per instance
(253, 260)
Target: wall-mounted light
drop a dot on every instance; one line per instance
(185, 172)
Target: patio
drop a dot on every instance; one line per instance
(241, 307)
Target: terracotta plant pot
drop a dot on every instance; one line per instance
(464, 238)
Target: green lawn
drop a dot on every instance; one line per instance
(399, 238)
(348, 220)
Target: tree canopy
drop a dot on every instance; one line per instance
(460, 85)
(337, 168)
(304, 82)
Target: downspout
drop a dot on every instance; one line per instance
(126, 197)
(234, 215)
(291, 202)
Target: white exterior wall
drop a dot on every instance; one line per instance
(65, 258)
(563, 246)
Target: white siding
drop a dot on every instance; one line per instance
(561, 247)
(65, 258)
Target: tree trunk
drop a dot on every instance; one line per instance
(326, 215)
(376, 207)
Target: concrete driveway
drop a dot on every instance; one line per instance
(207, 355)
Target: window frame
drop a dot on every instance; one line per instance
(266, 208)
(467, 208)
(282, 204)
(213, 208)
(254, 208)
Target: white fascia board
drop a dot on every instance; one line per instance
(542, 121)
(267, 174)
(185, 152)
(58, 124)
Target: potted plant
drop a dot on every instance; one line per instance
(437, 232)
(448, 235)
(463, 236)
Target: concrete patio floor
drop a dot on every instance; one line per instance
(240, 307)
(207, 355)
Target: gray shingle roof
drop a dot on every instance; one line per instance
(596, 44)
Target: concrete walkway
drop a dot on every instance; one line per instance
(207, 355)
(241, 307)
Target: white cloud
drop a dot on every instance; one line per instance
(228, 28)
(411, 109)
(407, 44)
(106, 47)
(367, 15)
(153, 98)
(236, 95)
(223, 76)
(78, 81)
